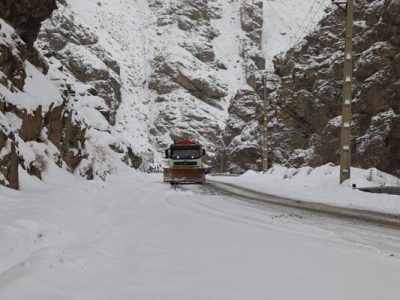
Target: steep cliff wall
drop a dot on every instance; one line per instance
(124, 79)
(23, 109)
(55, 118)
(211, 55)
(306, 92)
(178, 64)
(90, 79)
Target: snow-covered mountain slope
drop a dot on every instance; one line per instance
(177, 74)
(134, 76)
(183, 64)
(125, 30)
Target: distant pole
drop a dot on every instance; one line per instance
(265, 127)
(345, 137)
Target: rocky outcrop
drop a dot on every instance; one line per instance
(196, 78)
(251, 19)
(78, 51)
(241, 135)
(9, 160)
(189, 90)
(90, 80)
(17, 123)
(66, 117)
(26, 16)
(307, 99)
(241, 148)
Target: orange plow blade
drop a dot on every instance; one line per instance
(184, 175)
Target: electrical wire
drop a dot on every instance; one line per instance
(311, 22)
(301, 25)
(307, 27)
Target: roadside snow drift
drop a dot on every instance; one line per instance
(321, 184)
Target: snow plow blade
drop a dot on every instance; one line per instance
(184, 175)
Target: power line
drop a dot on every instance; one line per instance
(301, 25)
(308, 26)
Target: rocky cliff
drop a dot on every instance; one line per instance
(202, 70)
(305, 92)
(23, 112)
(118, 81)
(64, 117)
(166, 69)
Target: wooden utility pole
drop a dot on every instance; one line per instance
(345, 137)
(265, 127)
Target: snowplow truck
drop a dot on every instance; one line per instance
(185, 163)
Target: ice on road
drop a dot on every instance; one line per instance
(134, 237)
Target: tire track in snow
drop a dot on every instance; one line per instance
(360, 234)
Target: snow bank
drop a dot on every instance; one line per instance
(322, 185)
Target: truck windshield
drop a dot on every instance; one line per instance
(185, 154)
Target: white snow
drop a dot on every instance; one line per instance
(14, 121)
(322, 185)
(134, 237)
(126, 30)
(286, 22)
(227, 45)
(38, 91)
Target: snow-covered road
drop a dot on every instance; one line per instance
(137, 238)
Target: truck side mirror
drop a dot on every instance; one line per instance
(166, 153)
(204, 152)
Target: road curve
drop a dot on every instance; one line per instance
(378, 218)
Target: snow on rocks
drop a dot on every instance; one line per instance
(307, 99)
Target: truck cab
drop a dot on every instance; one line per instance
(185, 163)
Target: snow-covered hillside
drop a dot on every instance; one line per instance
(136, 75)
(181, 63)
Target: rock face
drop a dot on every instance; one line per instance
(190, 94)
(90, 80)
(140, 74)
(77, 49)
(214, 60)
(17, 123)
(65, 117)
(306, 92)
(241, 136)
(189, 85)
(26, 16)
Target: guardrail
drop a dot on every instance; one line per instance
(225, 174)
(382, 190)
